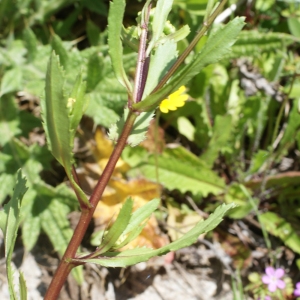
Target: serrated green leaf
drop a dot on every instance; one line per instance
(22, 287)
(118, 227)
(55, 224)
(94, 71)
(60, 50)
(55, 113)
(134, 256)
(217, 45)
(160, 64)
(115, 18)
(178, 173)
(61, 115)
(162, 10)
(36, 201)
(11, 81)
(253, 43)
(107, 102)
(139, 130)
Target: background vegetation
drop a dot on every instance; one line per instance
(237, 139)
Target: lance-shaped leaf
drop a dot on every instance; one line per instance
(10, 221)
(137, 222)
(134, 256)
(55, 113)
(217, 45)
(116, 229)
(115, 18)
(61, 115)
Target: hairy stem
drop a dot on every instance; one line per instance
(142, 62)
(191, 46)
(66, 265)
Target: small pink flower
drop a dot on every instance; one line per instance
(297, 290)
(272, 279)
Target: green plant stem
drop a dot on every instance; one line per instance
(66, 264)
(191, 46)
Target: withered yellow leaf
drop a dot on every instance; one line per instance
(119, 189)
(103, 149)
(180, 221)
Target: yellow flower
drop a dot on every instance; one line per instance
(174, 101)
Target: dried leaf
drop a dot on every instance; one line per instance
(119, 189)
(180, 221)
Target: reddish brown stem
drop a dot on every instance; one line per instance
(142, 62)
(65, 265)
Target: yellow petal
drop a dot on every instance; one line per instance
(164, 106)
(175, 100)
(182, 89)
